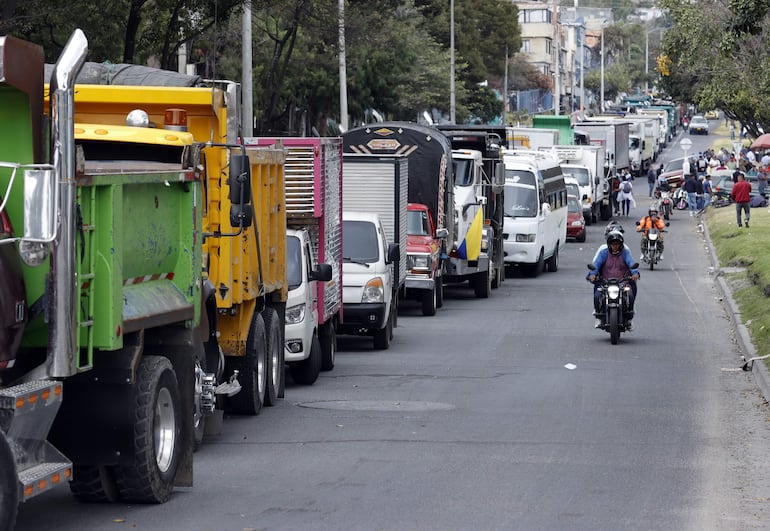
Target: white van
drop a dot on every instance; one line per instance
(368, 292)
(535, 226)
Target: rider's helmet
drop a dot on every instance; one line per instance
(615, 236)
(653, 211)
(611, 226)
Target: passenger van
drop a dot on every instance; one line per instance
(535, 226)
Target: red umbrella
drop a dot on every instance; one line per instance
(762, 142)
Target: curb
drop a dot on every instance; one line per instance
(743, 337)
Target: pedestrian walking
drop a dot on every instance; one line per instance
(741, 194)
(699, 191)
(707, 191)
(692, 193)
(732, 130)
(651, 176)
(625, 196)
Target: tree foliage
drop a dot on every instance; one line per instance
(397, 51)
(716, 54)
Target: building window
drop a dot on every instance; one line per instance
(525, 46)
(548, 46)
(534, 15)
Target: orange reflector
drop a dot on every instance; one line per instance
(172, 138)
(68, 473)
(176, 117)
(32, 399)
(57, 390)
(100, 131)
(20, 402)
(55, 479)
(42, 484)
(46, 394)
(28, 490)
(79, 130)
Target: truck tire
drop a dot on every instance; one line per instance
(537, 268)
(94, 484)
(552, 264)
(9, 490)
(482, 284)
(306, 372)
(252, 371)
(383, 336)
(439, 292)
(157, 420)
(328, 345)
(275, 363)
(428, 300)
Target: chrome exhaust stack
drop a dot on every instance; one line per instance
(62, 300)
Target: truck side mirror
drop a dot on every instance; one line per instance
(394, 253)
(40, 208)
(442, 233)
(240, 179)
(323, 273)
(241, 215)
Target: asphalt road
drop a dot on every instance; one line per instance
(506, 413)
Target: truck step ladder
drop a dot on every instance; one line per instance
(27, 412)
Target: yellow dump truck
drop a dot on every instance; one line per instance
(244, 235)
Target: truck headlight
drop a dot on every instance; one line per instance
(295, 314)
(374, 291)
(525, 238)
(33, 253)
(418, 262)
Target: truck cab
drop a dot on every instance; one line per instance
(303, 348)
(13, 307)
(368, 291)
(424, 277)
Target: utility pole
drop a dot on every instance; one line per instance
(557, 78)
(505, 88)
(343, 70)
(247, 102)
(452, 107)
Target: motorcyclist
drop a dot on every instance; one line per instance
(611, 226)
(645, 224)
(613, 261)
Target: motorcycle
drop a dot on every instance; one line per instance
(680, 199)
(614, 304)
(651, 255)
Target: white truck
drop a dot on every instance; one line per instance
(587, 165)
(313, 195)
(661, 117)
(373, 185)
(642, 143)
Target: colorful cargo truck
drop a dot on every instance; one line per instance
(101, 294)
(243, 233)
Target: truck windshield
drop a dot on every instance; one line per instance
(633, 143)
(293, 262)
(581, 174)
(520, 194)
(359, 242)
(463, 172)
(417, 223)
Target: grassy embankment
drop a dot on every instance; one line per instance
(747, 250)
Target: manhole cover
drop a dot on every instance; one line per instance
(378, 405)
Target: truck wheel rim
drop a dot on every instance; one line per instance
(165, 430)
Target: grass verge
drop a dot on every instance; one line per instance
(746, 250)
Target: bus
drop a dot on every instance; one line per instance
(535, 199)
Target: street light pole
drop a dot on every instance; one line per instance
(452, 108)
(601, 103)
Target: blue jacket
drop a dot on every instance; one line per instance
(601, 257)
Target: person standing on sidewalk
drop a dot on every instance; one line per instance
(741, 194)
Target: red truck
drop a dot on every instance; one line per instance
(423, 263)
